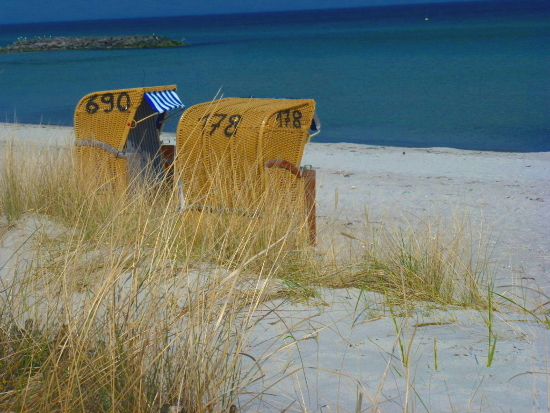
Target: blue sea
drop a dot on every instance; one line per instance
(468, 75)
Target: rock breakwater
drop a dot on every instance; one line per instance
(41, 44)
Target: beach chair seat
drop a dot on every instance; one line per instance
(230, 151)
(118, 133)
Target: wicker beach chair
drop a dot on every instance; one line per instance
(230, 151)
(118, 133)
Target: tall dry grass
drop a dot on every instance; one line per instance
(432, 259)
(129, 302)
(119, 302)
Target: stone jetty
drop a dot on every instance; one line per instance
(42, 44)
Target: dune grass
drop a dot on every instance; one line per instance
(124, 302)
(433, 260)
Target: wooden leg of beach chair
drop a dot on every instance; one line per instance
(309, 177)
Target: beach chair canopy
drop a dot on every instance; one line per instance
(222, 148)
(118, 132)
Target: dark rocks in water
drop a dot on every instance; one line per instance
(40, 44)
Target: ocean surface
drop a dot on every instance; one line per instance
(469, 75)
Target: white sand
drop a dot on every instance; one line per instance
(36, 134)
(345, 352)
(509, 192)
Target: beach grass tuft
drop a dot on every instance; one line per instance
(423, 260)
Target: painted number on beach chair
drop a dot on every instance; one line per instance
(284, 119)
(229, 127)
(109, 101)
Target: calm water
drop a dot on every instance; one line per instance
(473, 76)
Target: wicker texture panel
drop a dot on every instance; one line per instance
(101, 167)
(222, 146)
(107, 117)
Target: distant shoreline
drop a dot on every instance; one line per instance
(168, 134)
(46, 44)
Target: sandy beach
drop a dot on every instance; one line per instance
(508, 193)
(504, 195)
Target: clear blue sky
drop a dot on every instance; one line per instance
(26, 11)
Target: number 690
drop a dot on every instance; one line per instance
(108, 102)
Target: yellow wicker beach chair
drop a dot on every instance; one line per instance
(230, 151)
(118, 133)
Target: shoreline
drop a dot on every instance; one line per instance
(6, 127)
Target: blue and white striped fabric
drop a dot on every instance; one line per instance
(164, 100)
